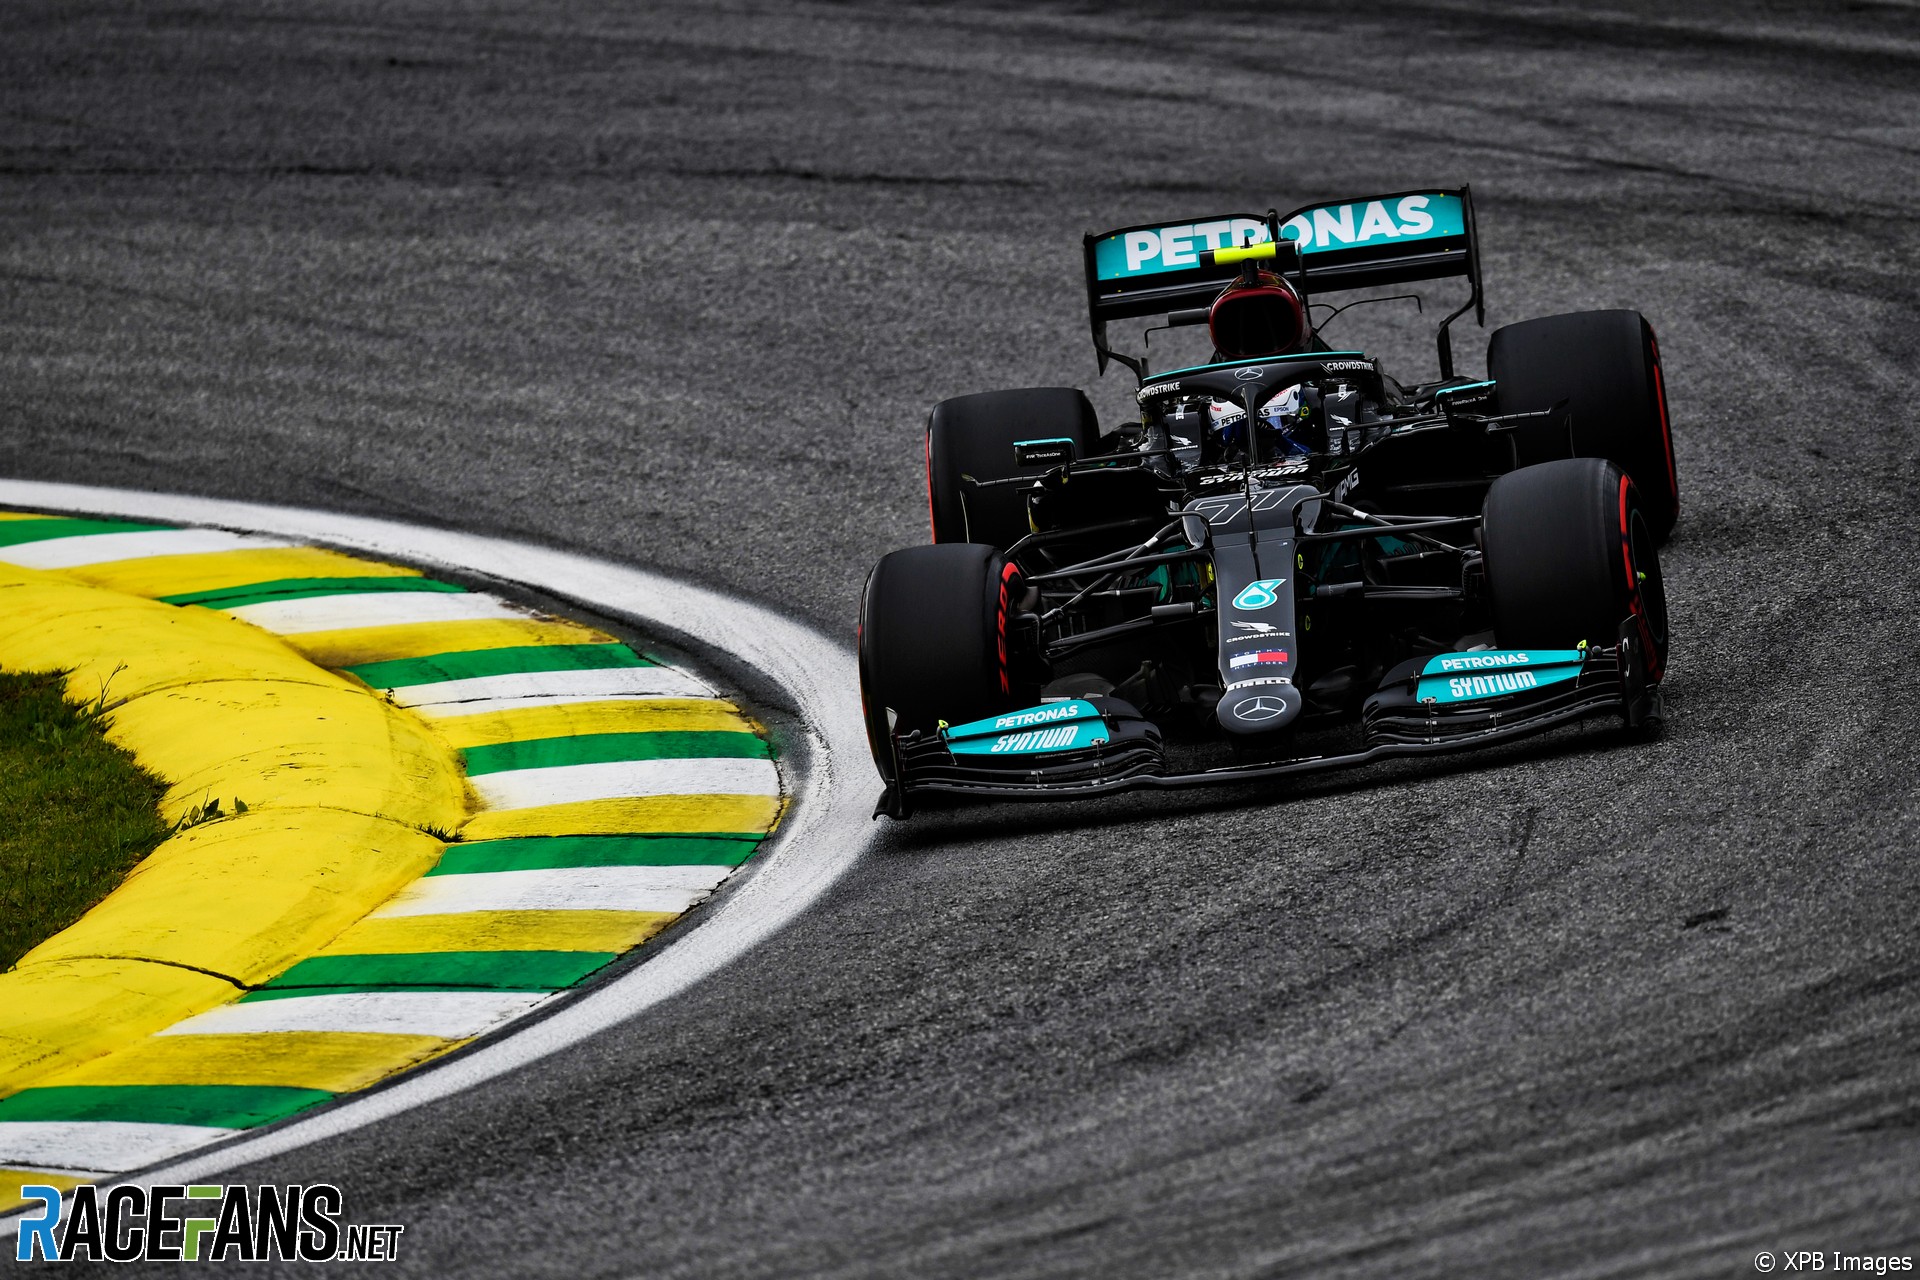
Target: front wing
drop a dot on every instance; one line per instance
(1127, 755)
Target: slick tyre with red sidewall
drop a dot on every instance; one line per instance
(1570, 556)
(974, 436)
(1606, 365)
(933, 640)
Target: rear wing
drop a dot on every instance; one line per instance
(1162, 268)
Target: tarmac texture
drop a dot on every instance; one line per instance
(677, 285)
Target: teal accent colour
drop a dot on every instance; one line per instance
(1322, 228)
(1031, 718)
(1495, 673)
(1500, 660)
(1073, 735)
(1177, 246)
(1263, 594)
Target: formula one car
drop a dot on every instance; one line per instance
(1291, 561)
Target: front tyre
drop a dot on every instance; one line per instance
(1570, 556)
(933, 641)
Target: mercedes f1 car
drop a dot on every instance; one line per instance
(1291, 561)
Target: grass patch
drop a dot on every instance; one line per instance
(76, 812)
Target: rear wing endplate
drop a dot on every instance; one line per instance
(1156, 268)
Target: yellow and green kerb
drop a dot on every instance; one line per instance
(456, 807)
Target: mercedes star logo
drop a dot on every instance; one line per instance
(1261, 708)
(1247, 374)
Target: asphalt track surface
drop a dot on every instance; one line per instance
(677, 286)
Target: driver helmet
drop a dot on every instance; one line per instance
(1285, 415)
(1258, 316)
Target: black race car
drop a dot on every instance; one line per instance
(1291, 561)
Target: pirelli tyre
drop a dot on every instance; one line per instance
(933, 641)
(1570, 556)
(975, 436)
(1606, 365)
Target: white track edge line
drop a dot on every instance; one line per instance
(825, 831)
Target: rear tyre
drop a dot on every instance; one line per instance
(933, 640)
(974, 436)
(1606, 364)
(1570, 556)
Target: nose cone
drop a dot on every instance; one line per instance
(1258, 707)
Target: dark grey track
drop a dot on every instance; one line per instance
(678, 286)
